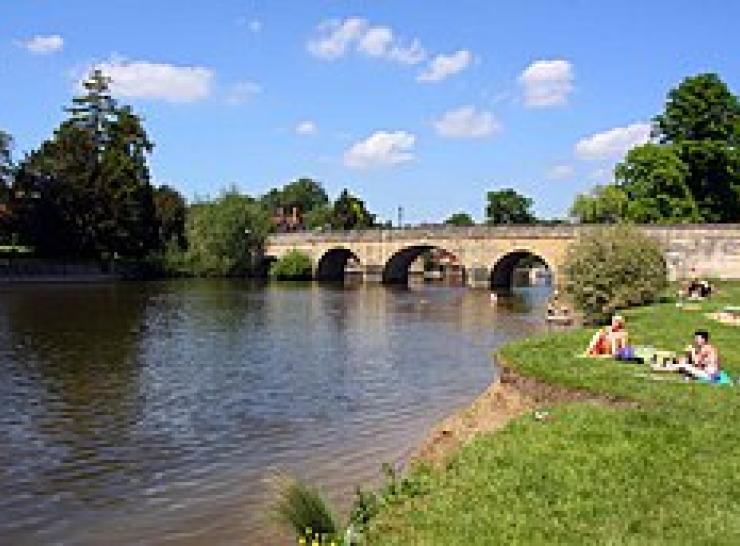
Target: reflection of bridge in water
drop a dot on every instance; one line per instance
(488, 256)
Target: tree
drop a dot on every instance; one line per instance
(611, 268)
(604, 205)
(460, 219)
(508, 207)
(318, 217)
(702, 121)
(170, 211)
(304, 194)
(654, 180)
(86, 191)
(702, 107)
(350, 212)
(226, 236)
(713, 178)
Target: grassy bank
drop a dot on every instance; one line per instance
(665, 471)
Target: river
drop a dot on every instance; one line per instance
(159, 413)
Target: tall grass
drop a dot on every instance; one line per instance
(302, 508)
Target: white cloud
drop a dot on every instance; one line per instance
(467, 122)
(614, 142)
(143, 79)
(376, 41)
(547, 83)
(381, 149)
(241, 92)
(444, 66)
(255, 26)
(560, 172)
(336, 38)
(306, 127)
(43, 44)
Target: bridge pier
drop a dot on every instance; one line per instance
(478, 277)
(373, 274)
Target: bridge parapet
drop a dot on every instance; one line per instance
(711, 250)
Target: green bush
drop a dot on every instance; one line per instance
(613, 268)
(293, 265)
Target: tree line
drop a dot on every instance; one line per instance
(86, 193)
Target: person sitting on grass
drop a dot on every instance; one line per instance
(702, 359)
(610, 340)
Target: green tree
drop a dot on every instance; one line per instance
(294, 265)
(702, 121)
(702, 107)
(508, 207)
(611, 268)
(460, 219)
(86, 191)
(350, 212)
(318, 217)
(604, 205)
(304, 194)
(713, 178)
(226, 236)
(170, 211)
(654, 180)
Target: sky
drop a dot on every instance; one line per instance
(424, 104)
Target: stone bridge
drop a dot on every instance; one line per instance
(489, 254)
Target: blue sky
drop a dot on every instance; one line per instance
(424, 104)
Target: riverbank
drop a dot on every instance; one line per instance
(642, 461)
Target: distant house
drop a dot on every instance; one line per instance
(286, 222)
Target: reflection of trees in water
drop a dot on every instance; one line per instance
(74, 352)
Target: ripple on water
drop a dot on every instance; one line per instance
(158, 413)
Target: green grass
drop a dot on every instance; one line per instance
(666, 472)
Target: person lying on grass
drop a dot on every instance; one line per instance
(702, 358)
(610, 340)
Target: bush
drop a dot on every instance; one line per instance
(613, 268)
(293, 265)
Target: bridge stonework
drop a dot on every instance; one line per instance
(488, 253)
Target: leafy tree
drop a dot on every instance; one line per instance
(611, 268)
(319, 217)
(702, 107)
(293, 265)
(508, 207)
(654, 180)
(86, 191)
(702, 121)
(226, 236)
(170, 211)
(460, 219)
(350, 212)
(304, 194)
(604, 205)
(713, 178)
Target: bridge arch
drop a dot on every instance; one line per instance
(502, 273)
(333, 264)
(396, 268)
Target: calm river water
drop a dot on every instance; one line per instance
(158, 413)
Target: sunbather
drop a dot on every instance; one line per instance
(608, 341)
(702, 358)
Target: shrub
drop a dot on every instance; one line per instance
(303, 509)
(612, 268)
(293, 265)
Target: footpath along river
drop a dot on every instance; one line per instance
(157, 413)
